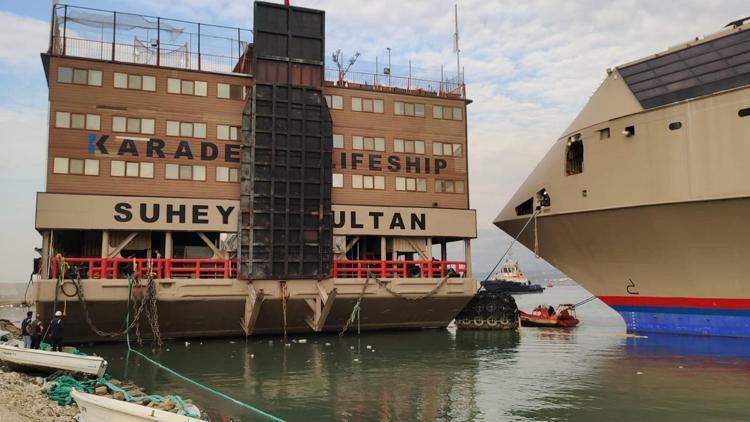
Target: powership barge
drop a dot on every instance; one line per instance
(262, 192)
(644, 198)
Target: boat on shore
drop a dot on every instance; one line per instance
(97, 408)
(643, 199)
(547, 316)
(510, 279)
(43, 361)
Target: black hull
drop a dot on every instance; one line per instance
(508, 287)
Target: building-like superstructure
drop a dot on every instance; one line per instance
(261, 191)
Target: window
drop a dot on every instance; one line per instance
(227, 133)
(138, 82)
(628, 132)
(604, 134)
(411, 184)
(64, 119)
(450, 186)
(338, 140)
(574, 155)
(367, 105)
(186, 129)
(408, 146)
(447, 113)
(131, 169)
(360, 181)
(185, 172)
(675, 125)
(132, 125)
(446, 149)
(186, 87)
(368, 143)
(338, 180)
(744, 112)
(335, 102)
(408, 109)
(226, 174)
(61, 165)
(229, 91)
(69, 75)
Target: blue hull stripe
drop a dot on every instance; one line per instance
(691, 321)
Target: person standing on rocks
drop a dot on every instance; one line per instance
(56, 332)
(25, 332)
(35, 331)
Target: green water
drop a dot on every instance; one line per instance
(590, 373)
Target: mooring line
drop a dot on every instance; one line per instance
(189, 380)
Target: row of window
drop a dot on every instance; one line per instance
(89, 167)
(122, 80)
(400, 108)
(67, 120)
(400, 145)
(408, 184)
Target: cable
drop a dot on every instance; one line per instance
(533, 216)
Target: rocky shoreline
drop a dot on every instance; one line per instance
(23, 398)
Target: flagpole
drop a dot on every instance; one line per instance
(455, 46)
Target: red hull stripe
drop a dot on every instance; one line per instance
(677, 302)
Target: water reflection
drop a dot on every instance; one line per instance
(592, 372)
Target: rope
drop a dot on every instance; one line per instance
(583, 302)
(282, 287)
(385, 285)
(355, 310)
(536, 237)
(533, 217)
(186, 379)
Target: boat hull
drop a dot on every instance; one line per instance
(214, 308)
(49, 362)
(510, 287)
(677, 268)
(96, 408)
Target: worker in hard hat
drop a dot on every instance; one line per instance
(56, 332)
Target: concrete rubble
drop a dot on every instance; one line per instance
(23, 398)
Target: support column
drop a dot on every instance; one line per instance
(168, 245)
(383, 251)
(443, 250)
(45, 254)
(429, 248)
(467, 257)
(105, 244)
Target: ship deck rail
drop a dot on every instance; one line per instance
(170, 268)
(119, 37)
(397, 269)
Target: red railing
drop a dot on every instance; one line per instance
(114, 268)
(404, 269)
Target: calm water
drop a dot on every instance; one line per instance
(589, 373)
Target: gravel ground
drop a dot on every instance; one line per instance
(24, 398)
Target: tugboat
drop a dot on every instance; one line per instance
(510, 279)
(547, 316)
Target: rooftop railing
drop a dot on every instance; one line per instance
(140, 39)
(155, 41)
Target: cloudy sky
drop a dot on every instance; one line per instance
(530, 66)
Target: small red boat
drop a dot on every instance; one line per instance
(548, 316)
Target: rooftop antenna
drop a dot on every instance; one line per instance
(338, 58)
(456, 48)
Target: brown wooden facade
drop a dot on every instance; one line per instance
(161, 106)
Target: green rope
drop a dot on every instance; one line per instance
(186, 379)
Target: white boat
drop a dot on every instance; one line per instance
(97, 408)
(52, 361)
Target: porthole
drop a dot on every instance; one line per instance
(744, 112)
(675, 125)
